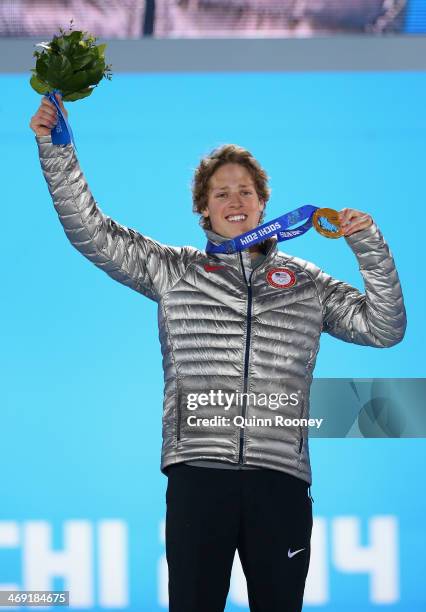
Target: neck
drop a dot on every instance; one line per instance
(255, 250)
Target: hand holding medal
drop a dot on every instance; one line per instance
(71, 65)
(352, 221)
(333, 224)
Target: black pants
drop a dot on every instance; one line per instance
(265, 514)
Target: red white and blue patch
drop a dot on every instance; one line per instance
(281, 278)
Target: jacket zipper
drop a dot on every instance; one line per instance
(246, 356)
(178, 416)
(246, 364)
(300, 430)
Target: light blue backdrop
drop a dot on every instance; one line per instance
(81, 368)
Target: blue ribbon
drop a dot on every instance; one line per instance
(277, 227)
(61, 133)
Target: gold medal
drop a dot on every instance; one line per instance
(326, 222)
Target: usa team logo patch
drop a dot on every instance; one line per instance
(281, 278)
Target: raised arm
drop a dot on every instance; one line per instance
(126, 255)
(376, 317)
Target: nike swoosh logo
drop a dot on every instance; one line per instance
(291, 554)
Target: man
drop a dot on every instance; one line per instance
(235, 328)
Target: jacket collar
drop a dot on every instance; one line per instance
(268, 246)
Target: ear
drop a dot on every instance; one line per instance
(261, 204)
(205, 213)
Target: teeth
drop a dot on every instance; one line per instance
(236, 217)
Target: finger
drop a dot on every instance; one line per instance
(47, 103)
(343, 212)
(39, 126)
(357, 219)
(344, 215)
(363, 217)
(45, 120)
(357, 226)
(350, 215)
(48, 117)
(48, 112)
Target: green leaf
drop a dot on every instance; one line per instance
(59, 71)
(80, 60)
(101, 50)
(42, 66)
(95, 64)
(39, 86)
(63, 44)
(75, 36)
(54, 46)
(78, 95)
(82, 80)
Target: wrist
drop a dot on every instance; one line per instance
(43, 138)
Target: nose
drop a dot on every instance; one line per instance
(235, 200)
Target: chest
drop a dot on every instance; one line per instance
(224, 292)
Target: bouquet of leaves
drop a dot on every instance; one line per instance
(71, 63)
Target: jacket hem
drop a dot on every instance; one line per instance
(293, 471)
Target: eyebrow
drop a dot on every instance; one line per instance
(240, 185)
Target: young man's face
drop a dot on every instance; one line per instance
(233, 205)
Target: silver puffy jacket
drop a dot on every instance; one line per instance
(220, 333)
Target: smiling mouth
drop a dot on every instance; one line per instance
(236, 218)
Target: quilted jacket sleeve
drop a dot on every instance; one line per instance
(137, 261)
(376, 317)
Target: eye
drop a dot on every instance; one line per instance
(221, 195)
(247, 192)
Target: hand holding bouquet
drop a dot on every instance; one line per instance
(72, 65)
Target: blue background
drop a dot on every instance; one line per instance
(81, 365)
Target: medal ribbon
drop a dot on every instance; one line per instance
(277, 227)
